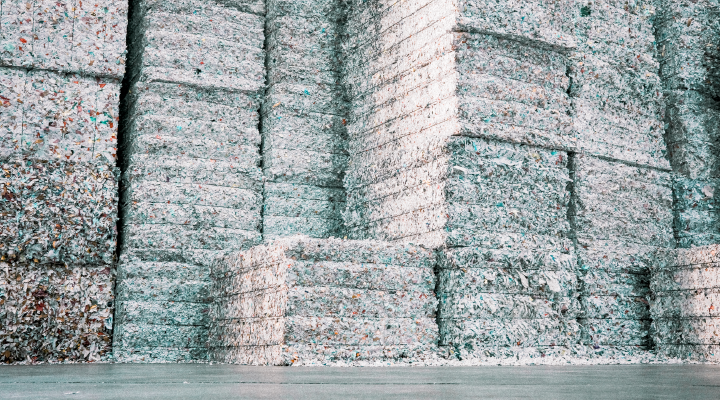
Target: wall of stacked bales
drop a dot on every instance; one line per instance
(459, 131)
(303, 125)
(192, 183)
(61, 63)
(688, 34)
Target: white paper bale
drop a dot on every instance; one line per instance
(286, 293)
(56, 313)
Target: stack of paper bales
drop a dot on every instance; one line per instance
(401, 91)
(460, 140)
(192, 184)
(686, 288)
(303, 129)
(622, 188)
(411, 92)
(60, 70)
(688, 34)
(616, 91)
(303, 301)
(622, 215)
(507, 303)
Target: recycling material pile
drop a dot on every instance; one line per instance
(622, 215)
(686, 287)
(688, 41)
(400, 82)
(303, 301)
(60, 70)
(418, 91)
(192, 183)
(508, 304)
(303, 129)
(616, 91)
(622, 188)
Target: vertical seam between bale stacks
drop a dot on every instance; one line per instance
(261, 119)
(133, 63)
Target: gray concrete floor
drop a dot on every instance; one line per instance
(201, 381)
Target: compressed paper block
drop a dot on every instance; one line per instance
(370, 36)
(64, 36)
(64, 116)
(687, 35)
(361, 275)
(472, 333)
(615, 256)
(501, 280)
(147, 236)
(695, 211)
(615, 332)
(703, 353)
(154, 336)
(162, 313)
(699, 302)
(58, 211)
(521, 259)
(615, 201)
(551, 355)
(381, 17)
(510, 91)
(186, 52)
(304, 138)
(211, 175)
(160, 354)
(692, 133)
(618, 114)
(701, 276)
(697, 331)
(615, 307)
(420, 210)
(150, 288)
(259, 300)
(617, 36)
(669, 259)
(537, 23)
(55, 312)
(99, 32)
(306, 8)
(503, 306)
(318, 301)
(279, 227)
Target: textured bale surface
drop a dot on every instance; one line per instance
(684, 309)
(58, 178)
(82, 37)
(303, 130)
(55, 312)
(687, 36)
(503, 299)
(290, 302)
(622, 217)
(192, 183)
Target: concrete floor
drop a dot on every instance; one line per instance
(183, 381)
